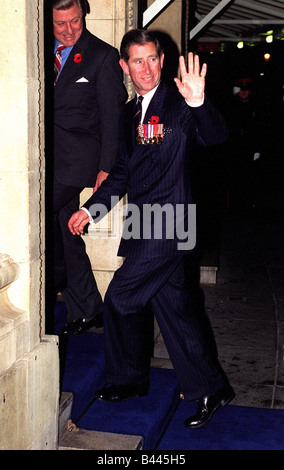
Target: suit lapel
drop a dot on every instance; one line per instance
(155, 107)
(71, 68)
(129, 131)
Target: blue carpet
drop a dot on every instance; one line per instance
(83, 371)
(81, 362)
(231, 428)
(145, 416)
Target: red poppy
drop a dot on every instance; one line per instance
(154, 120)
(78, 58)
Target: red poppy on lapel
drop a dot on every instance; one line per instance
(154, 120)
(78, 58)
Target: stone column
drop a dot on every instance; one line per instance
(29, 370)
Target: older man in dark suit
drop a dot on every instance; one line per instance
(88, 99)
(155, 173)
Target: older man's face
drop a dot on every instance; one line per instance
(68, 25)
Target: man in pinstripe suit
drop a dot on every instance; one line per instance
(155, 171)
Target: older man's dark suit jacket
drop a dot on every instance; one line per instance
(151, 174)
(88, 98)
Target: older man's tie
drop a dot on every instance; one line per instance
(138, 115)
(57, 61)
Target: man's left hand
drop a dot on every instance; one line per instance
(192, 83)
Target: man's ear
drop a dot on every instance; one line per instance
(162, 60)
(124, 66)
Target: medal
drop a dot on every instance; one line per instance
(151, 133)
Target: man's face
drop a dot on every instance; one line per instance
(67, 25)
(244, 94)
(144, 67)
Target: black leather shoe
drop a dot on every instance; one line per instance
(77, 327)
(208, 405)
(117, 393)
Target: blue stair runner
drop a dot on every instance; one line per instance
(83, 374)
(159, 416)
(231, 428)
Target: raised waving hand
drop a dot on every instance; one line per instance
(192, 83)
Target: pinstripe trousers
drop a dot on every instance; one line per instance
(160, 283)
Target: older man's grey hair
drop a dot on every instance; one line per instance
(83, 5)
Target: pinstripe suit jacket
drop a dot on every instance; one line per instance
(159, 174)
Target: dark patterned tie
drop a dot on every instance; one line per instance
(57, 62)
(138, 114)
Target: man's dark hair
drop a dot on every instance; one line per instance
(83, 5)
(139, 37)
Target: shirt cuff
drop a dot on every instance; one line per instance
(90, 217)
(195, 105)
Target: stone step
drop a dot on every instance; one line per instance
(208, 274)
(81, 439)
(65, 407)
(73, 438)
(209, 267)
